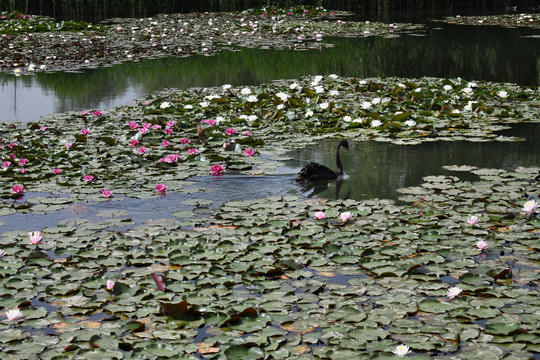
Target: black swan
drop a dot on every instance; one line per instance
(314, 171)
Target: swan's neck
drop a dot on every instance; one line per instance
(339, 165)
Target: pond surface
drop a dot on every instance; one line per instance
(476, 53)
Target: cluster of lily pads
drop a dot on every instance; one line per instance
(177, 134)
(287, 282)
(531, 20)
(119, 40)
(15, 23)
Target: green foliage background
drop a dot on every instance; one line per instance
(147, 7)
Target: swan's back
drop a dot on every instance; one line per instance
(314, 171)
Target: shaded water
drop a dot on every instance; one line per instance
(474, 53)
(373, 170)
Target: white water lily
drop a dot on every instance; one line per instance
(347, 118)
(453, 292)
(252, 117)
(467, 91)
(401, 350)
(317, 78)
(219, 119)
(333, 76)
(410, 123)
(251, 98)
(245, 91)
(293, 86)
(502, 94)
(447, 87)
(226, 86)
(365, 105)
(282, 96)
(530, 207)
(204, 104)
(324, 105)
(319, 89)
(280, 106)
(309, 113)
(376, 101)
(376, 123)
(165, 105)
(333, 93)
(189, 106)
(472, 84)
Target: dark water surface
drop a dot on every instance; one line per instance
(471, 52)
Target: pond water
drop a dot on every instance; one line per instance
(476, 53)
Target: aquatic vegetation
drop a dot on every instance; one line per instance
(110, 285)
(319, 215)
(505, 20)
(453, 292)
(530, 207)
(14, 315)
(401, 350)
(472, 220)
(482, 245)
(120, 40)
(35, 237)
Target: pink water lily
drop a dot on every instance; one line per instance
(210, 122)
(482, 245)
(22, 162)
(85, 112)
(134, 142)
(21, 171)
(165, 143)
(85, 132)
(12, 145)
(170, 124)
(184, 141)
(133, 125)
(43, 128)
(161, 187)
(249, 152)
(97, 113)
(472, 220)
(168, 131)
(68, 145)
(319, 215)
(110, 284)
(230, 131)
(345, 216)
(156, 127)
(107, 193)
(6, 164)
(192, 151)
(88, 178)
(530, 207)
(247, 133)
(13, 315)
(217, 169)
(57, 171)
(17, 189)
(142, 150)
(35, 237)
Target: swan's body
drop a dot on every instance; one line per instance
(314, 171)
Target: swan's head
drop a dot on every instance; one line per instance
(345, 144)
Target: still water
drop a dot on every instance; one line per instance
(471, 52)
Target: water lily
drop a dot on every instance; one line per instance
(447, 87)
(401, 350)
(376, 123)
(142, 150)
(366, 105)
(110, 284)
(2, 254)
(502, 94)
(324, 105)
(22, 162)
(245, 91)
(217, 169)
(184, 141)
(97, 113)
(530, 207)
(453, 292)
(88, 178)
(252, 98)
(249, 152)
(107, 193)
(192, 151)
(482, 245)
(282, 96)
(57, 171)
(14, 315)
(247, 133)
(6, 164)
(410, 123)
(17, 189)
(85, 132)
(133, 125)
(230, 131)
(210, 122)
(165, 143)
(68, 145)
(35, 237)
(161, 187)
(345, 216)
(472, 220)
(319, 215)
(165, 105)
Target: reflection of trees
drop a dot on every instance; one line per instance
(378, 169)
(481, 53)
